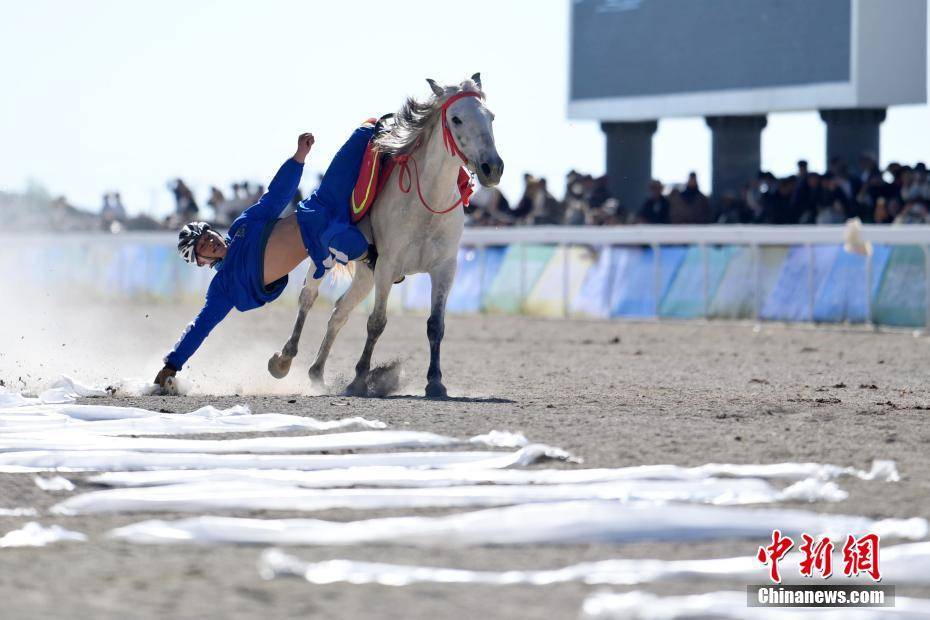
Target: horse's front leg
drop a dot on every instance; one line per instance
(280, 363)
(376, 323)
(441, 283)
(361, 285)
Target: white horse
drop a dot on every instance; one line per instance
(415, 223)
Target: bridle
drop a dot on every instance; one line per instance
(448, 140)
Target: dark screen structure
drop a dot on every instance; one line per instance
(628, 48)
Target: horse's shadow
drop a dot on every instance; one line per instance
(494, 400)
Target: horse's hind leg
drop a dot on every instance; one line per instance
(280, 363)
(441, 283)
(361, 285)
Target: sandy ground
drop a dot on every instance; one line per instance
(615, 393)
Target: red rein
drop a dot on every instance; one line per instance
(448, 140)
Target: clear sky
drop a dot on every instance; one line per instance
(103, 95)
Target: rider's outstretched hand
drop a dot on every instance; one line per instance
(163, 375)
(304, 144)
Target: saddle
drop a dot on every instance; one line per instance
(369, 180)
(376, 170)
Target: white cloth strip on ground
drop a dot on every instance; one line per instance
(55, 483)
(205, 420)
(113, 460)
(904, 564)
(35, 534)
(271, 495)
(18, 512)
(576, 522)
(64, 440)
(406, 477)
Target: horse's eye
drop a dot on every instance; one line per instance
(456, 120)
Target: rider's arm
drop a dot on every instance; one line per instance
(284, 184)
(214, 310)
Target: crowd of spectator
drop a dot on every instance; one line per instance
(900, 194)
(223, 208)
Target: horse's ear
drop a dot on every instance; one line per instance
(437, 89)
(476, 78)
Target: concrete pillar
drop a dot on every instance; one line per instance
(629, 161)
(853, 132)
(736, 152)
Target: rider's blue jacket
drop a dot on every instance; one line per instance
(239, 279)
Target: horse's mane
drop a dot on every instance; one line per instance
(412, 119)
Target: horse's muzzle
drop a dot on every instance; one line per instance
(490, 171)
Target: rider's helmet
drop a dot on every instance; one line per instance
(187, 239)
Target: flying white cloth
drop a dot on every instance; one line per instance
(122, 460)
(639, 605)
(906, 564)
(54, 410)
(36, 535)
(275, 495)
(465, 475)
(67, 390)
(553, 523)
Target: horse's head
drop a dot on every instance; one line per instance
(468, 121)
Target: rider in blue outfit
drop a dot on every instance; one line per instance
(260, 249)
(324, 216)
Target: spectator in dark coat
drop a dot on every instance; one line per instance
(806, 198)
(690, 205)
(733, 210)
(656, 209)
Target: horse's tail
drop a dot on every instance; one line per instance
(341, 271)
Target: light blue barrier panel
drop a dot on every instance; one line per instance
(634, 290)
(835, 298)
(162, 279)
(842, 296)
(685, 296)
(505, 294)
(735, 295)
(790, 299)
(621, 282)
(631, 293)
(418, 288)
(417, 293)
(592, 300)
(466, 294)
(567, 268)
(902, 292)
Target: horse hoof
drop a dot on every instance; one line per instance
(357, 388)
(436, 390)
(279, 366)
(316, 379)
